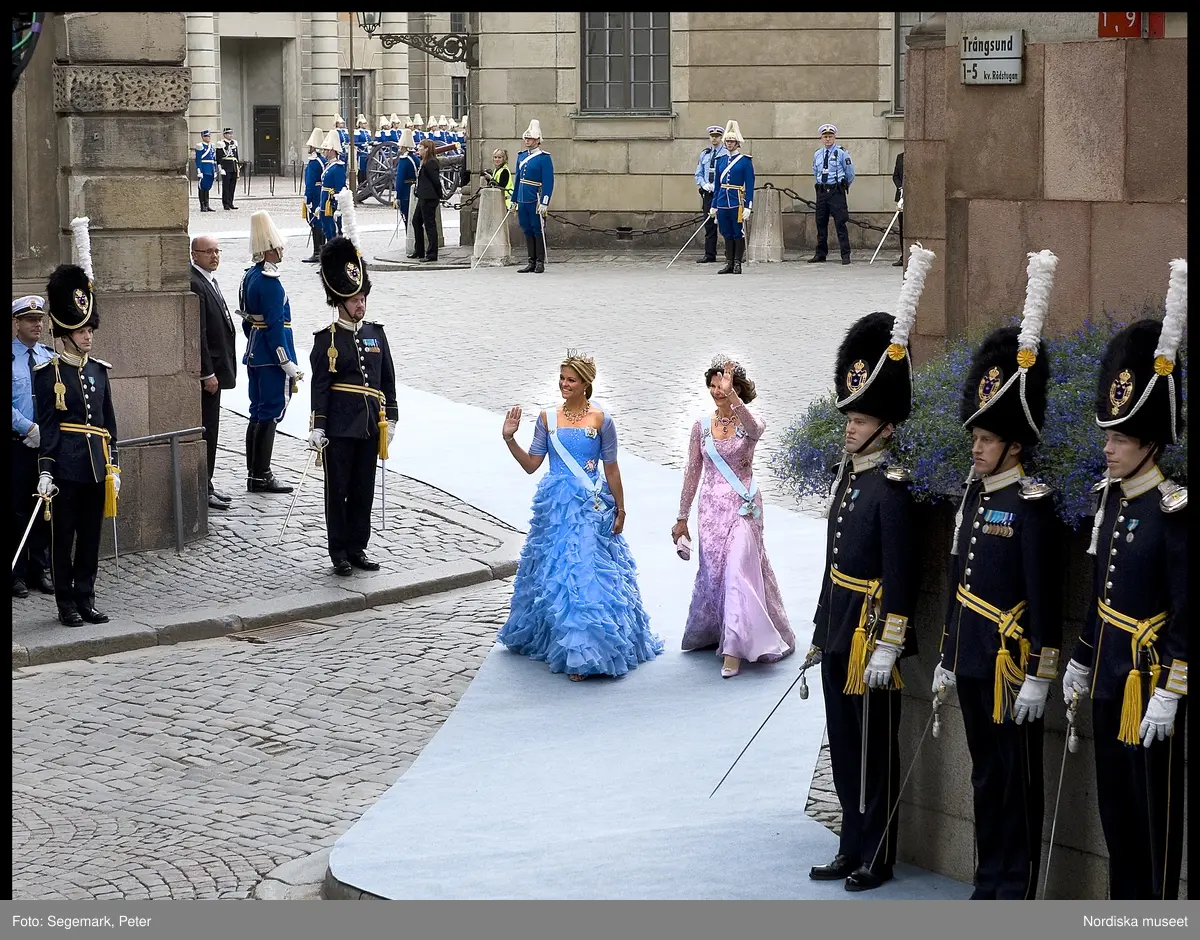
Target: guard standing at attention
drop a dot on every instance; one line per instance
(1132, 657)
(1003, 628)
(706, 182)
(362, 146)
(407, 165)
(834, 173)
(206, 168)
(333, 181)
(270, 356)
(534, 187)
(734, 197)
(354, 410)
(230, 164)
(869, 590)
(314, 169)
(77, 458)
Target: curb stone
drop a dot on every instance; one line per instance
(334, 890)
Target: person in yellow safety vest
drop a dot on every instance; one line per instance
(502, 177)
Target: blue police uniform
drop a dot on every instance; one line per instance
(833, 173)
(706, 183)
(734, 194)
(362, 144)
(406, 175)
(333, 181)
(534, 187)
(33, 564)
(206, 168)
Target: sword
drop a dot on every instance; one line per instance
(396, 230)
(307, 466)
(116, 551)
(497, 232)
(32, 519)
(545, 249)
(1071, 746)
(862, 759)
(810, 661)
(688, 242)
(383, 463)
(885, 235)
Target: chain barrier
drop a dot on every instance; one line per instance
(467, 201)
(629, 232)
(812, 205)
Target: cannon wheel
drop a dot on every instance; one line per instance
(381, 172)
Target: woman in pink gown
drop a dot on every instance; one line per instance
(736, 603)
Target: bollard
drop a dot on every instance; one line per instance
(766, 227)
(491, 214)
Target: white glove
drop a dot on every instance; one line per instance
(943, 677)
(708, 187)
(745, 213)
(542, 209)
(290, 369)
(222, 171)
(712, 213)
(1160, 716)
(316, 439)
(814, 655)
(1075, 677)
(45, 484)
(878, 674)
(33, 438)
(391, 431)
(1031, 700)
(900, 203)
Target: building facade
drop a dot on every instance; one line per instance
(624, 100)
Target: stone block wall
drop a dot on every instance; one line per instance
(98, 124)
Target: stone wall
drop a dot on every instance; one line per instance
(1087, 158)
(98, 126)
(780, 75)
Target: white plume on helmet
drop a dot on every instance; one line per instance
(82, 238)
(920, 260)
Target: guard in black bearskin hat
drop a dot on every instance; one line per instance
(1132, 656)
(869, 591)
(77, 459)
(1004, 624)
(354, 409)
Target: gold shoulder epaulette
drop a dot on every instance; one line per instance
(48, 362)
(898, 474)
(1174, 496)
(100, 362)
(1032, 489)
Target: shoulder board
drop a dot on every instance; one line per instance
(1174, 496)
(1032, 489)
(42, 365)
(270, 269)
(898, 474)
(100, 362)
(199, 146)
(374, 323)
(324, 329)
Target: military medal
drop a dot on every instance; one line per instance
(1131, 525)
(998, 523)
(853, 497)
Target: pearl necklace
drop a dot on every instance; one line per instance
(576, 416)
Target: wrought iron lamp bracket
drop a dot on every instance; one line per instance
(449, 47)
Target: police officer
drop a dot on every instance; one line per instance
(333, 181)
(77, 457)
(706, 182)
(834, 174)
(869, 590)
(206, 168)
(314, 169)
(734, 197)
(1132, 656)
(1003, 628)
(270, 355)
(229, 168)
(534, 187)
(354, 409)
(362, 146)
(32, 566)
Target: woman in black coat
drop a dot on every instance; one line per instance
(429, 194)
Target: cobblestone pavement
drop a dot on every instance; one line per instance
(244, 539)
(192, 771)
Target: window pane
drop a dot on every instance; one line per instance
(661, 97)
(641, 42)
(641, 20)
(641, 96)
(593, 96)
(641, 68)
(595, 69)
(617, 99)
(662, 41)
(662, 69)
(595, 42)
(616, 42)
(616, 21)
(593, 21)
(662, 20)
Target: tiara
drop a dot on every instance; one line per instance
(573, 353)
(719, 362)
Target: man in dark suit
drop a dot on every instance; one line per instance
(898, 179)
(218, 365)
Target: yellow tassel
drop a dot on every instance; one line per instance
(383, 429)
(332, 357)
(858, 663)
(110, 492)
(1009, 679)
(1131, 709)
(60, 390)
(897, 682)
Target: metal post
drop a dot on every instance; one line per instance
(177, 493)
(352, 169)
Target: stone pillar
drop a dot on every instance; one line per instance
(491, 214)
(765, 241)
(204, 111)
(392, 96)
(121, 95)
(326, 73)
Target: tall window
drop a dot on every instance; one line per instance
(353, 100)
(458, 23)
(458, 96)
(904, 23)
(627, 62)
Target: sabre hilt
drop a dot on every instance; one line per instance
(937, 707)
(810, 661)
(1072, 734)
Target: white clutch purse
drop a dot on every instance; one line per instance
(683, 548)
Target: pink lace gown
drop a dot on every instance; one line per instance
(736, 603)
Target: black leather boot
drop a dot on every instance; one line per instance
(539, 248)
(266, 445)
(531, 249)
(728, 269)
(739, 252)
(318, 244)
(251, 455)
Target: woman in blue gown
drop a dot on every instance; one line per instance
(576, 604)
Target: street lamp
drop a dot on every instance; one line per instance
(369, 22)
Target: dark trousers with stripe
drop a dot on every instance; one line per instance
(1008, 783)
(77, 513)
(350, 465)
(863, 833)
(1140, 791)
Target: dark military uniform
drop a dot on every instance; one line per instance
(230, 164)
(1135, 638)
(353, 400)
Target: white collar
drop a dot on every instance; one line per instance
(997, 481)
(209, 276)
(534, 152)
(348, 325)
(861, 463)
(1145, 481)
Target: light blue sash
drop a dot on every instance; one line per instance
(591, 486)
(748, 507)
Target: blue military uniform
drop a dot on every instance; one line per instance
(533, 187)
(1132, 656)
(206, 169)
(833, 173)
(333, 181)
(406, 175)
(344, 140)
(313, 171)
(706, 183)
(230, 162)
(362, 144)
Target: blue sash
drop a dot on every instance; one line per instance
(748, 507)
(591, 486)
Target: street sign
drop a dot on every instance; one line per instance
(993, 57)
(1130, 25)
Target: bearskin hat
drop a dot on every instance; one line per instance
(343, 271)
(1012, 410)
(71, 300)
(867, 378)
(1131, 396)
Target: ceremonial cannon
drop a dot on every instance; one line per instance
(380, 179)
